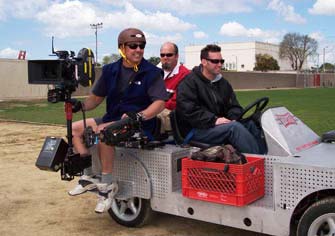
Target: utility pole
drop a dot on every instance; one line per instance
(96, 27)
(324, 50)
(324, 59)
(317, 68)
(236, 62)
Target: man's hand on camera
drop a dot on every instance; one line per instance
(135, 116)
(76, 105)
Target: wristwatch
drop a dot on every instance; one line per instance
(141, 116)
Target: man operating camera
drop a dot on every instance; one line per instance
(131, 84)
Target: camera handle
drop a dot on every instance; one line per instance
(73, 164)
(65, 173)
(69, 117)
(84, 117)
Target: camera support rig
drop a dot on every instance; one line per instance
(126, 132)
(65, 73)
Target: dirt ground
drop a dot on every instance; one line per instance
(35, 202)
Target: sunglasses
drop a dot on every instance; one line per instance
(135, 45)
(215, 61)
(167, 54)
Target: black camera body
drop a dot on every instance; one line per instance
(126, 132)
(65, 73)
(55, 156)
(52, 154)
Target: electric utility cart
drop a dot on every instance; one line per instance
(288, 191)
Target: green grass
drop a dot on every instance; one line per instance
(41, 111)
(316, 107)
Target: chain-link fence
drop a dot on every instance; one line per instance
(313, 79)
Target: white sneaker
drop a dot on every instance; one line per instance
(86, 183)
(106, 195)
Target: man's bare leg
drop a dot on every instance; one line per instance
(77, 133)
(86, 181)
(108, 187)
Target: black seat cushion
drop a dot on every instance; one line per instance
(179, 139)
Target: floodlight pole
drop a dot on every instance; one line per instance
(96, 27)
(324, 55)
(324, 59)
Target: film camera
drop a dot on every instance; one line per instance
(126, 132)
(65, 74)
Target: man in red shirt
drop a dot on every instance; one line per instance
(174, 72)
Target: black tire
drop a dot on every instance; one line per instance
(318, 219)
(132, 212)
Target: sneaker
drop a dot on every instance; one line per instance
(86, 183)
(106, 194)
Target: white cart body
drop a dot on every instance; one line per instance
(297, 166)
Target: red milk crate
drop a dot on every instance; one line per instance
(212, 182)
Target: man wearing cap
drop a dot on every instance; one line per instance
(174, 72)
(131, 84)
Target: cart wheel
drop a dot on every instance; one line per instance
(318, 219)
(132, 212)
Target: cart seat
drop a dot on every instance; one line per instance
(178, 138)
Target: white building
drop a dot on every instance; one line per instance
(238, 56)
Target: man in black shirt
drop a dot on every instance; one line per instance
(207, 107)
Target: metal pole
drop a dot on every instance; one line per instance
(324, 52)
(96, 45)
(236, 61)
(96, 27)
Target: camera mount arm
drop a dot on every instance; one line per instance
(122, 133)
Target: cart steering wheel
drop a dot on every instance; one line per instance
(259, 105)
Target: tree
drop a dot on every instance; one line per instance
(109, 59)
(265, 62)
(296, 48)
(154, 60)
(327, 67)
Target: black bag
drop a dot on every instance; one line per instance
(222, 154)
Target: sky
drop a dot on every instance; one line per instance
(29, 24)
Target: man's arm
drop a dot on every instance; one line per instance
(235, 108)
(92, 101)
(188, 105)
(157, 93)
(153, 109)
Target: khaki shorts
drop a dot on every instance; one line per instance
(165, 118)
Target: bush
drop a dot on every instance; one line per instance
(265, 62)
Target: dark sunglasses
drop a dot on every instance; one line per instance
(215, 61)
(167, 54)
(135, 45)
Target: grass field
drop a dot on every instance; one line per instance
(316, 107)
